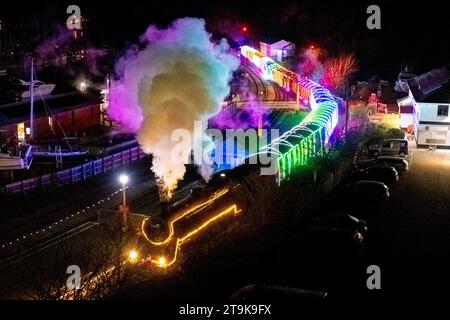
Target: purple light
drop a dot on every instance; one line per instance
(122, 110)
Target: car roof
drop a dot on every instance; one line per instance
(327, 218)
(346, 215)
(371, 182)
(380, 168)
(330, 230)
(366, 160)
(391, 158)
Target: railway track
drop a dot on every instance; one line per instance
(47, 244)
(261, 89)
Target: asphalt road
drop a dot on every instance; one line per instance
(410, 239)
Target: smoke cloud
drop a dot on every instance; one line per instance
(175, 77)
(52, 51)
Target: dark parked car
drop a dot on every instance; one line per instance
(329, 242)
(387, 175)
(364, 164)
(342, 221)
(400, 164)
(362, 199)
(369, 190)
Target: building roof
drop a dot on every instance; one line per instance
(433, 86)
(282, 44)
(17, 112)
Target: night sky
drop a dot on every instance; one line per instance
(412, 33)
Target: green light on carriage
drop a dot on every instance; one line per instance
(287, 156)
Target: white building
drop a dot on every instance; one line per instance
(279, 50)
(430, 97)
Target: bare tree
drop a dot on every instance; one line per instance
(100, 254)
(337, 72)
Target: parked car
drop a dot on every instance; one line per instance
(387, 175)
(342, 221)
(334, 242)
(368, 190)
(390, 147)
(362, 199)
(364, 164)
(400, 164)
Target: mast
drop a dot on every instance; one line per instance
(32, 101)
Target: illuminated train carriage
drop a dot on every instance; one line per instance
(285, 78)
(257, 56)
(295, 147)
(267, 67)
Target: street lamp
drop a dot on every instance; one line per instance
(133, 256)
(162, 261)
(83, 85)
(123, 179)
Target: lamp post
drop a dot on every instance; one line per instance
(123, 208)
(83, 86)
(123, 179)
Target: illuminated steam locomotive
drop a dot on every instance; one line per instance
(182, 220)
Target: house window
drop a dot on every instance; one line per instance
(442, 111)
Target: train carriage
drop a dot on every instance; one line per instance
(307, 139)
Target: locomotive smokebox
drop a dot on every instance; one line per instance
(165, 209)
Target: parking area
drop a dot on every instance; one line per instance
(408, 232)
(410, 241)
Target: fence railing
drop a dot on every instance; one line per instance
(37, 235)
(73, 175)
(104, 151)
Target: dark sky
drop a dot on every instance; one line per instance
(412, 33)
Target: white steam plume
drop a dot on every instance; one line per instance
(179, 76)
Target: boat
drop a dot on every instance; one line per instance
(15, 89)
(39, 88)
(22, 161)
(16, 154)
(13, 159)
